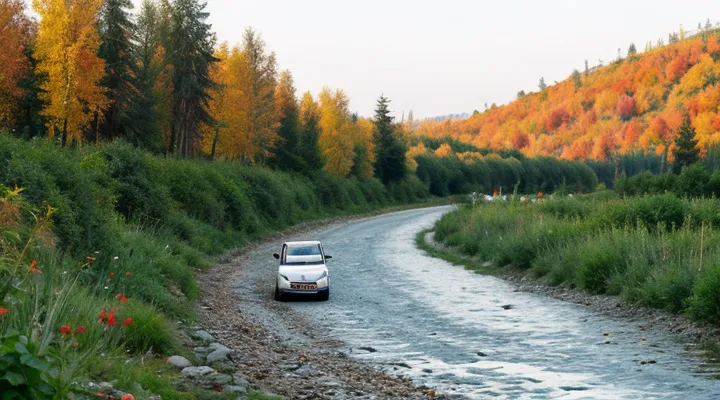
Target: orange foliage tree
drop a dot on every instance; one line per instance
(14, 65)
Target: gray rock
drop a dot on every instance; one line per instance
(235, 389)
(179, 362)
(202, 335)
(219, 354)
(239, 379)
(196, 372)
(203, 350)
(219, 378)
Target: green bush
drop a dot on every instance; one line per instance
(705, 302)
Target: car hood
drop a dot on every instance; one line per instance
(296, 272)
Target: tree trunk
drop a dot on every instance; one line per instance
(64, 133)
(215, 139)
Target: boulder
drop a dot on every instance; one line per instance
(220, 353)
(202, 335)
(179, 362)
(196, 372)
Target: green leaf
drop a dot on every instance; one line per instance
(23, 339)
(12, 395)
(34, 362)
(20, 348)
(14, 378)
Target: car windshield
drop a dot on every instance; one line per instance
(304, 255)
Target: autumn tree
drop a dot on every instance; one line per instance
(66, 50)
(14, 64)
(390, 148)
(191, 56)
(260, 81)
(286, 151)
(335, 138)
(219, 104)
(116, 34)
(686, 151)
(308, 147)
(626, 107)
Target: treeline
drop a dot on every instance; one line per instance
(448, 167)
(90, 71)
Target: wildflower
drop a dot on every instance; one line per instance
(90, 260)
(66, 330)
(540, 195)
(115, 258)
(127, 322)
(111, 320)
(102, 316)
(111, 275)
(80, 330)
(122, 298)
(33, 268)
(127, 396)
(127, 274)
(76, 344)
(3, 311)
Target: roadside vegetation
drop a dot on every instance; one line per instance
(656, 250)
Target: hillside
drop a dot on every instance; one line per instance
(633, 104)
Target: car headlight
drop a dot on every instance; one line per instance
(285, 277)
(324, 275)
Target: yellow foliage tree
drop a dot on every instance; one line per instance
(444, 151)
(66, 50)
(364, 148)
(336, 127)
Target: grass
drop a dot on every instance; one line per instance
(658, 251)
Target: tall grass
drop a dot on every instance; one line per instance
(646, 249)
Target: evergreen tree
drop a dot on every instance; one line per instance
(308, 147)
(190, 53)
(411, 119)
(116, 34)
(587, 68)
(577, 79)
(146, 71)
(686, 151)
(286, 151)
(520, 94)
(390, 149)
(542, 85)
(632, 50)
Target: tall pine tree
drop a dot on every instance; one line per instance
(390, 149)
(286, 151)
(686, 151)
(116, 34)
(308, 148)
(190, 53)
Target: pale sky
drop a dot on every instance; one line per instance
(451, 56)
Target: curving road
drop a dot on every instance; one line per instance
(446, 327)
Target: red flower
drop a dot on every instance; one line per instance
(65, 330)
(128, 396)
(111, 321)
(80, 330)
(33, 268)
(90, 260)
(102, 315)
(3, 311)
(127, 322)
(112, 275)
(122, 298)
(540, 195)
(127, 274)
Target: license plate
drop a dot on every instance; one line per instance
(303, 286)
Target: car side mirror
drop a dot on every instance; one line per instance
(277, 256)
(327, 257)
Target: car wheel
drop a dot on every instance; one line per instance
(278, 294)
(324, 296)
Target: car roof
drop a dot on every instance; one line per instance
(303, 243)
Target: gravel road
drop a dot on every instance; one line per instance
(398, 320)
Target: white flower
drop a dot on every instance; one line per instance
(115, 258)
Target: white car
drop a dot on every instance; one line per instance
(302, 270)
